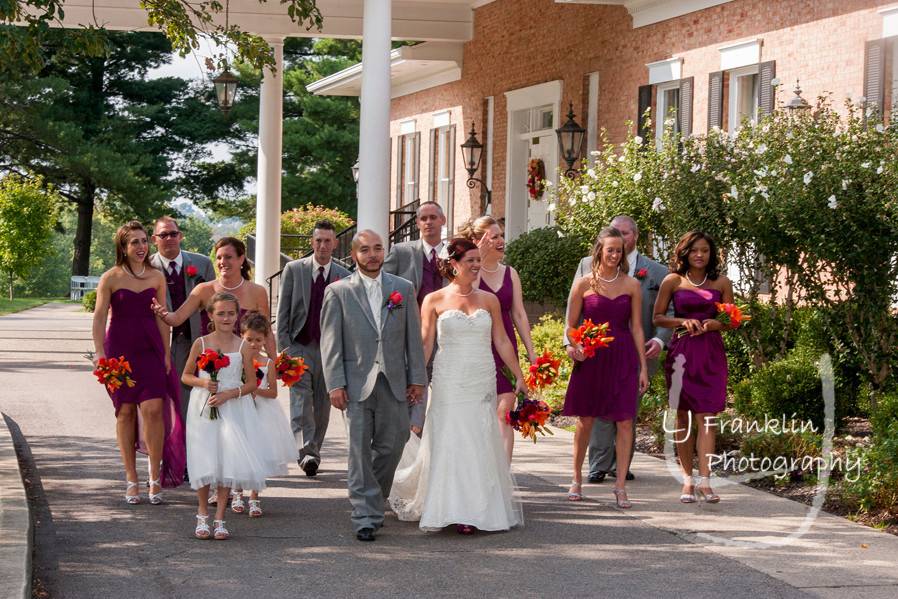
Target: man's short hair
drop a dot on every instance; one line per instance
(626, 219)
(165, 219)
(325, 225)
(428, 203)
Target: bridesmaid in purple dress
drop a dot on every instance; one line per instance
(608, 385)
(233, 278)
(504, 283)
(696, 365)
(127, 289)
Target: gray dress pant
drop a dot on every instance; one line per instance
(310, 407)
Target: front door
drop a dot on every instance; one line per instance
(542, 146)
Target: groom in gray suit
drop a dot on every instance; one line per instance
(183, 271)
(299, 332)
(602, 460)
(416, 261)
(373, 362)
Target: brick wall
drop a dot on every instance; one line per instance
(519, 43)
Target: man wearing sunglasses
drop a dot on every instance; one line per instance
(183, 271)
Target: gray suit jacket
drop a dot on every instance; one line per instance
(204, 273)
(349, 338)
(650, 286)
(293, 301)
(406, 260)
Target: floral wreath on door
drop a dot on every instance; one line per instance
(536, 178)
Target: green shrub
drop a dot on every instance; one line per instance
(546, 263)
(301, 221)
(548, 334)
(886, 413)
(89, 301)
(876, 489)
(787, 445)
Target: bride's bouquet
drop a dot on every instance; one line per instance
(531, 415)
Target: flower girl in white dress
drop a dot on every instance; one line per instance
(277, 445)
(221, 430)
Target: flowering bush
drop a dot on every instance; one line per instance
(301, 221)
(804, 207)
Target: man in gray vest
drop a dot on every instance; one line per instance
(373, 363)
(183, 271)
(299, 332)
(649, 274)
(416, 261)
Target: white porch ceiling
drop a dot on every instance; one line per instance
(647, 12)
(412, 68)
(424, 20)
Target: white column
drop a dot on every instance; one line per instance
(374, 127)
(268, 178)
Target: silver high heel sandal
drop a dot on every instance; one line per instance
(708, 496)
(132, 499)
(688, 497)
(155, 498)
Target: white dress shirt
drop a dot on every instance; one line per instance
(374, 291)
(426, 247)
(316, 266)
(179, 260)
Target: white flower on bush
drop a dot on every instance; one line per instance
(584, 189)
(831, 202)
(594, 153)
(880, 128)
(787, 159)
(560, 234)
(845, 183)
(552, 207)
(808, 176)
(638, 140)
(614, 183)
(865, 165)
(591, 196)
(761, 149)
(734, 192)
(591, 173)
(695, 168)
(879, 170)
(637, 177)
(761, 172)
(547, 183)
(621, 158)
(658, 205)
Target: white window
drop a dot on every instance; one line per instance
(667, 102)
(407, 164)
(443, 167)
(743, 97)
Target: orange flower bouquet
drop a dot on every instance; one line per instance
(114, 372)
(290, 369)
(531, 415)
(212, 362)
(731, 315)
(544, 371)
(591, 336)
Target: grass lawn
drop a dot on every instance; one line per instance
(23, 303)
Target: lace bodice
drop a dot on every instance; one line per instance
(464, 358)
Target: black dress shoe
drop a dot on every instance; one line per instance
(630, 475)
(597, 478)
(310, 468)
(366, 534)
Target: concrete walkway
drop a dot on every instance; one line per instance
(88, 543)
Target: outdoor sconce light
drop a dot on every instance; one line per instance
(570, 140)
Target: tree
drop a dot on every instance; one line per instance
(27, 216)
(103, 134)
(183, 23)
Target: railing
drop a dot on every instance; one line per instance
(400, 217)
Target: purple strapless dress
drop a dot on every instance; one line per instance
(606, 386)
(704, 388)
(134, 334)
(204, 322)
(506, 301)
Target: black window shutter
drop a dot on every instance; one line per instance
(766, 91)
(644, 103)
(874, 76)
(685, 113)
(715, 100)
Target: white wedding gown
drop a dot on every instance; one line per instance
(458, 473)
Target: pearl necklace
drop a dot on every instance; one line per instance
(237, 286)
(135, 274)
(688, 280)
(485, 269)
(464, 294)
(604, 280)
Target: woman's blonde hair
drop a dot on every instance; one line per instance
(476, 228)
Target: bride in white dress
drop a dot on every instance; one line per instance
(458, 472)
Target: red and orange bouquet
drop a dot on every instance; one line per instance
(212, 362)
(591, 336)
(290, 369)
(530, 415)
(260, 374)
(114, 372)
(731, 315)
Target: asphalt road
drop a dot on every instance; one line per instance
(88, 543)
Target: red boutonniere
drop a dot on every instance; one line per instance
(641, 274)
(394, 301)
(191, 270)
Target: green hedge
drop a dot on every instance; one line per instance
(546, 264)
(89, 301)
(548, 334)
(876, 489)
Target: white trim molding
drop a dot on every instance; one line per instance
(663, 71)
(407, 127)
(648, 12)
(535, 95)
(740, 54)
(889, 21)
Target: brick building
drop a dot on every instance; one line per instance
(715, 62)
